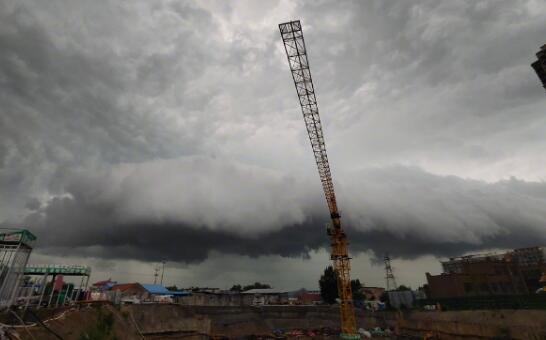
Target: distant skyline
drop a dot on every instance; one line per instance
(141, 131)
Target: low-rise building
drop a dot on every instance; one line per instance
(137, 292)
(401, 299)
(216, 298)
(104, 285)
(372, 293)
(128, 289)
(267, 296)
(131, 292)
(158, 293)
(233, 298)
(305, 297)
(511, 273)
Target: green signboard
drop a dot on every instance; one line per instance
(17, 235)
(58, 270)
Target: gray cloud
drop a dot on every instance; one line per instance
(181, 210)
(129, 125)
(83, 97)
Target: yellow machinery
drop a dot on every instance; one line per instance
(292, 37)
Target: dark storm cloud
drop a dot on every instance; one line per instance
(145, 130)
(404, 211)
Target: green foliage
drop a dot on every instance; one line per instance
(102, 330)
(255, 285)
(236, 288)
(356, 288)
(328, 285)
(402, 287)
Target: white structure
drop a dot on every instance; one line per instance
(268, 296)
(15, 249)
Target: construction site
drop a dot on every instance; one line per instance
(38, 304)
(490, 294)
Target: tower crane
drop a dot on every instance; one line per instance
(294, 45)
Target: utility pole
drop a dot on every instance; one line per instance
(389, 276)
(162, 270)
(156, 273)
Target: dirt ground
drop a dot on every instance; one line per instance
(163, 321)
(78, 324)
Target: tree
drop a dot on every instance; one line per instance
(402, 287)
(356, 288)
(256, 285)
(328, 286)
(236, 288)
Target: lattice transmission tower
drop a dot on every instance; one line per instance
(389, 276)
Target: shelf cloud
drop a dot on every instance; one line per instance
(172, 130)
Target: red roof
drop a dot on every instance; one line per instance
(103, 282)
(124, 286)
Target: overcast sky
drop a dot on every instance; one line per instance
(136, 131)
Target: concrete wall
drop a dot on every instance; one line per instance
(231, 321)
(240, 321)
(513, 324)
(167, 318)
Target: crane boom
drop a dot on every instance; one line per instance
(294, 45)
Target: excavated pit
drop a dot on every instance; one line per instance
(164, 321)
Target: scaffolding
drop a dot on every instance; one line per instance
(37, 292)
(15, 248)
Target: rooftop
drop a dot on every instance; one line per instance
(264, 291)
(124, 286)
(10, 235)
(56, 269)
(157, 289)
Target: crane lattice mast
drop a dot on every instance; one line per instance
(294, 44)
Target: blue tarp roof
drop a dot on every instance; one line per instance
(156, 289)
(180, 292)
(160, 290)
